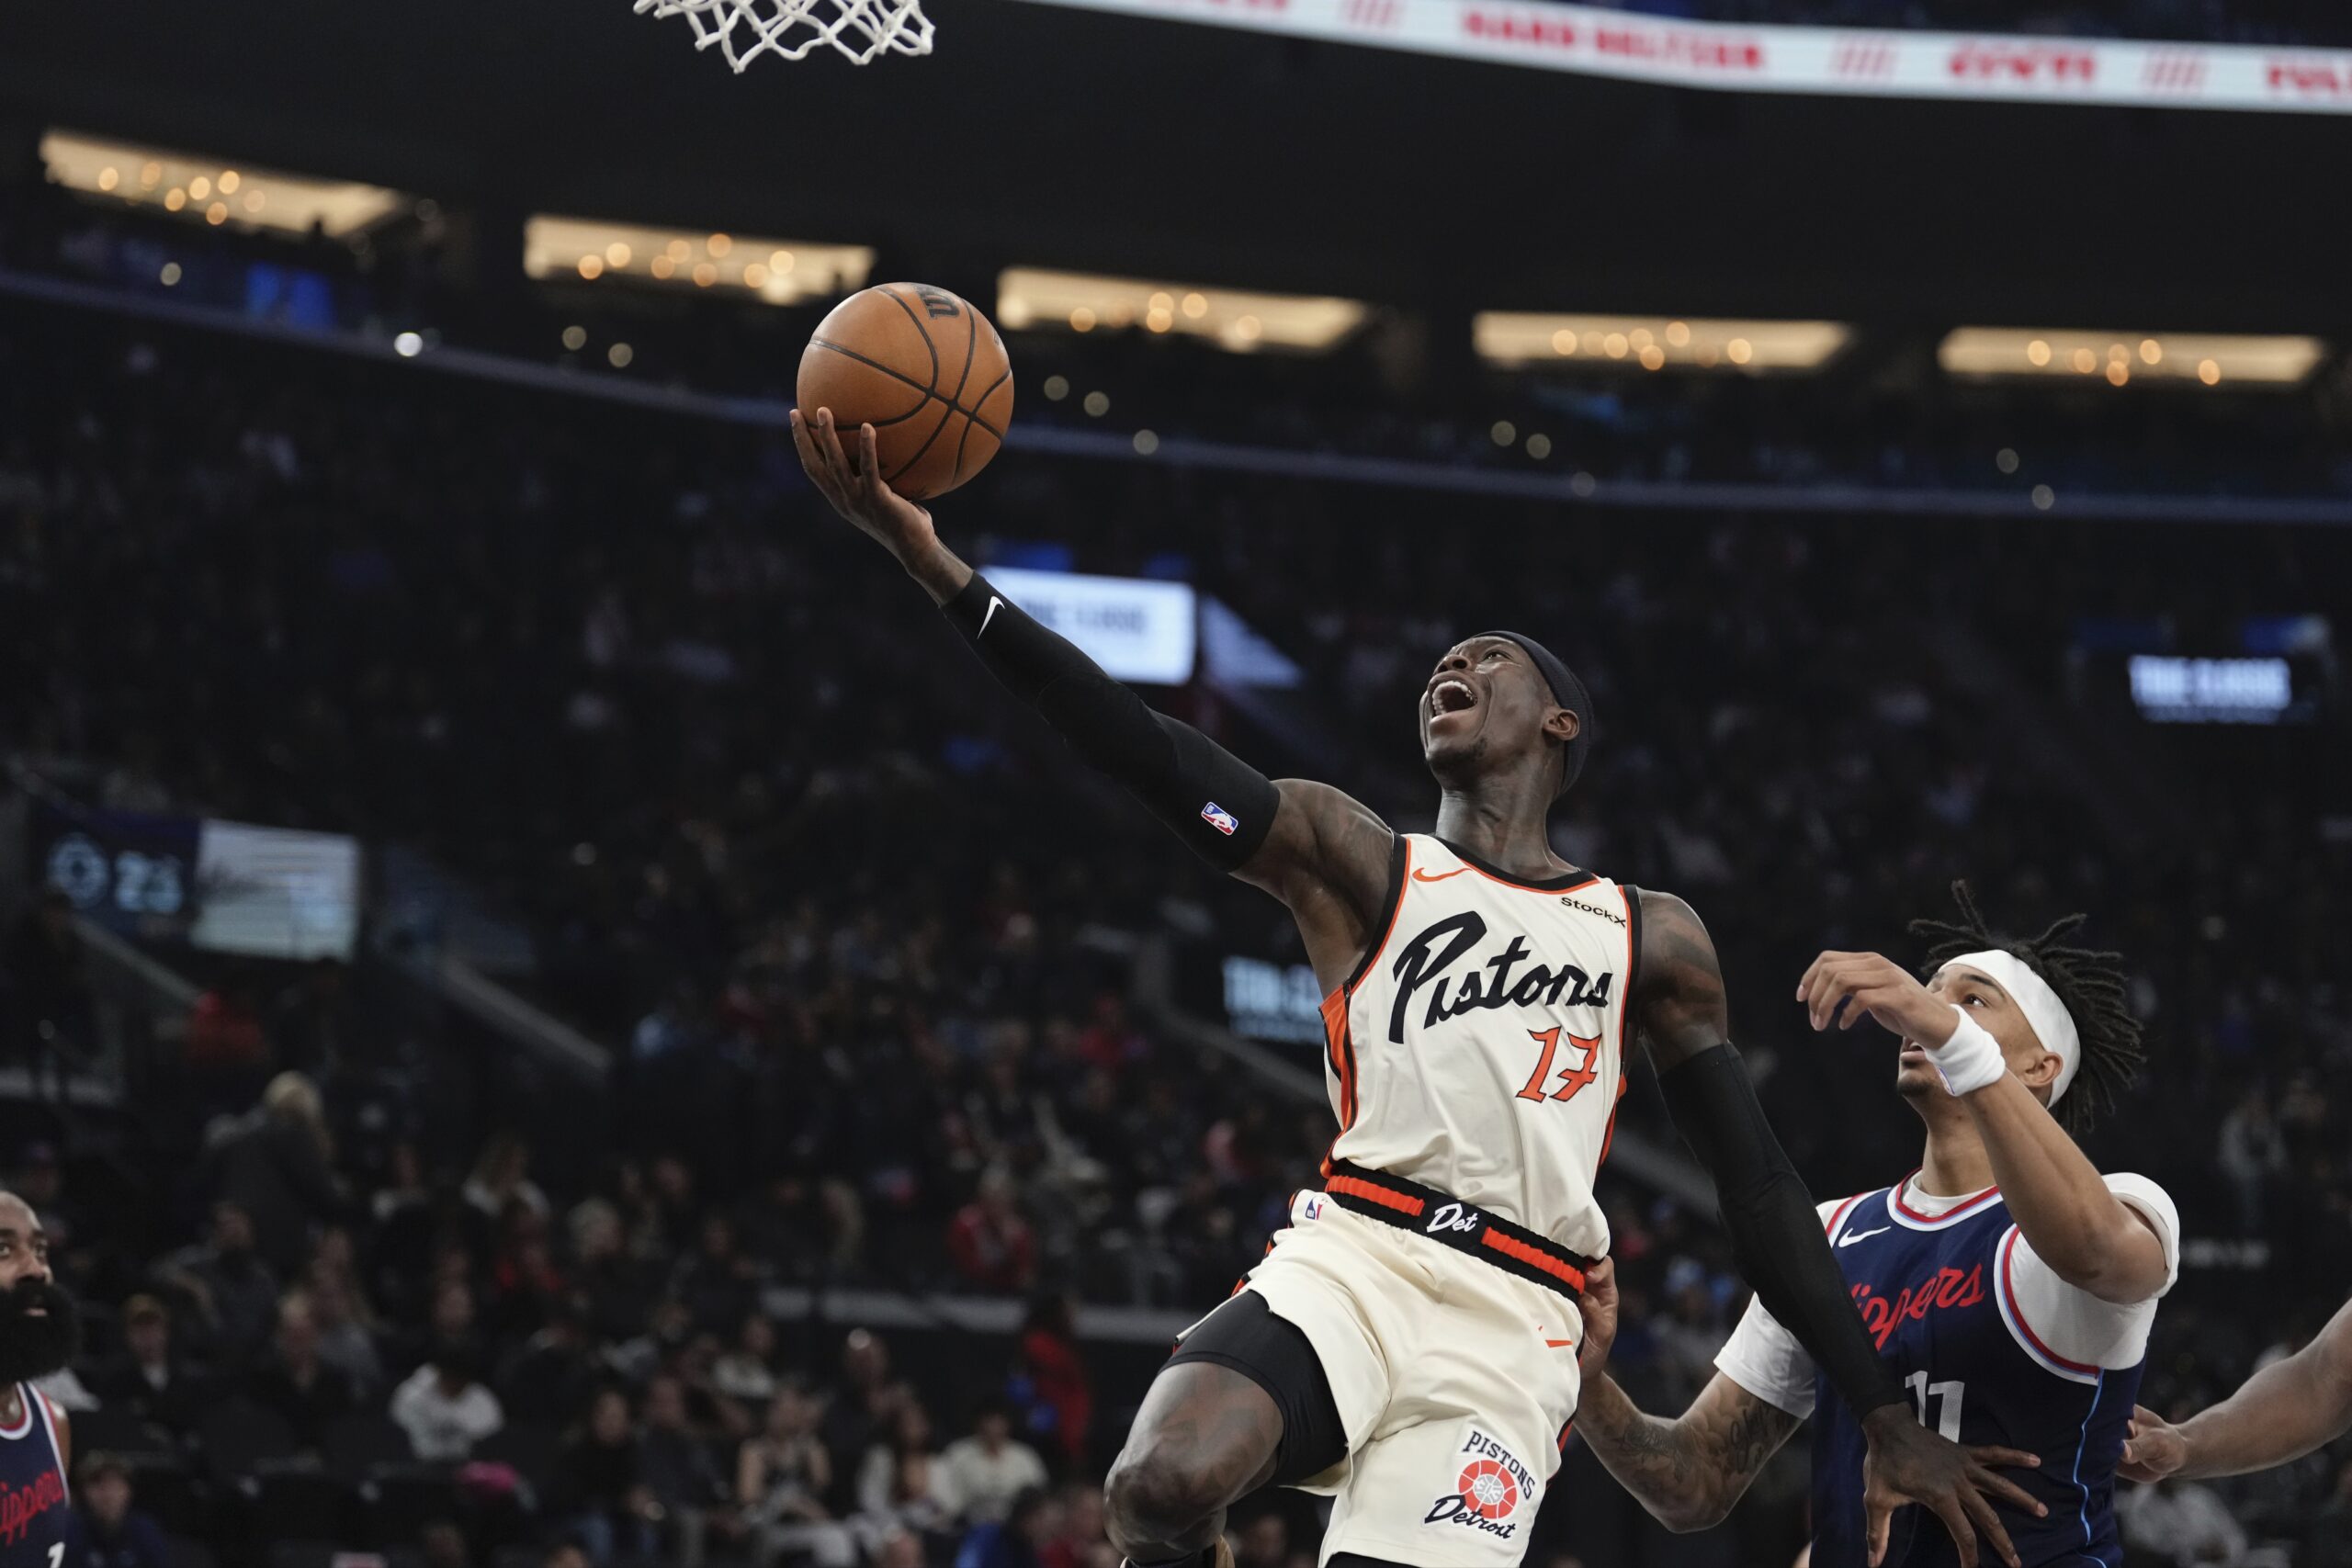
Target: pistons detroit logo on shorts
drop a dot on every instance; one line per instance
(1490, 1492)
(1487, 1489)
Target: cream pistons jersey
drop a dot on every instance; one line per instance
(1479, 1048)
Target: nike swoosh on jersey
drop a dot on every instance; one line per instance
(1441, 877)
(1862, 1235)
(993, 602)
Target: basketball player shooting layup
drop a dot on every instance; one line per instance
(2011, 1283)
(1409, 1342)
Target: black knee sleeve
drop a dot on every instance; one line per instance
(1246, 1336)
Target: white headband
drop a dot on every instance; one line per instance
(2054, 1026)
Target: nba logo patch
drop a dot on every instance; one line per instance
(1218, 818)
(1310, 1205)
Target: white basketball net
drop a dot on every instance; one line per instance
(745, 29)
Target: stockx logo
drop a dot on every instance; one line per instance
(1611, 916)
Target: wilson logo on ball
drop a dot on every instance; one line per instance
(925, 370)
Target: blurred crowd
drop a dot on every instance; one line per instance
(861, 941)
(464, 1372)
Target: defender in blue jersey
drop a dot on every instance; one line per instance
(37, 1337)
(2010, 1286)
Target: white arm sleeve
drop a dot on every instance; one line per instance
(2076, 1325)
(1765, 1359)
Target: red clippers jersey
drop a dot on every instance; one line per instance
(33, 1503)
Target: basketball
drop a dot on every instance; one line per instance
(925, 370)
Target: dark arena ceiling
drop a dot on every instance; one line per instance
(1037, 134)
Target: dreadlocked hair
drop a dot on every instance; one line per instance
(2089, 984)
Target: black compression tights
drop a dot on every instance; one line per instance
(1350, 1559)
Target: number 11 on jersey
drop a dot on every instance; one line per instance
(1948, 1397)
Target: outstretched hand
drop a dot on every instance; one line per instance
(1871, 983)
(1907, 1464)
(851, 479)
(2153, 1447)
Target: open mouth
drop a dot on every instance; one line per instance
(1450, 696)
(1913, 1054)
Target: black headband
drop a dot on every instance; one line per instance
(1566, 691)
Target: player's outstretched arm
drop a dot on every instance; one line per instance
(2064, 1207)
(2284, 1412)
(1776, 1232)
(1688, 1472)
(1308, 844)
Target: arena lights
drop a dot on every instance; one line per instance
(206, 190)
(1032, 299)
(2122, 359)
(1655, 342)
(781, 272)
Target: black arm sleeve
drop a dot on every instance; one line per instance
(1216, 803)
(1775, 1232)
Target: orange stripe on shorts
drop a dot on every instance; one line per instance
(1355, 1186)
(1535, 1258)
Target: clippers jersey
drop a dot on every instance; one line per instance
(33, 1505)
(1479, 1048)
(1935, 1294)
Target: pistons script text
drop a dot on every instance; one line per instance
(1425, 958)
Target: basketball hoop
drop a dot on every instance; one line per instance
(745, 29)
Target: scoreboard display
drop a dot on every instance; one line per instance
(1275, 1003)
(221, 886)
(2260, 671)
(131, 873)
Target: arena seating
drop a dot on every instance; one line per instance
(621, 671)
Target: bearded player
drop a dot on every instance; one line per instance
(2009, 1283)
(1408, 1344)
(37, 1337)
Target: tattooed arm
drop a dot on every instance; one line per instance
(1688, 1472)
